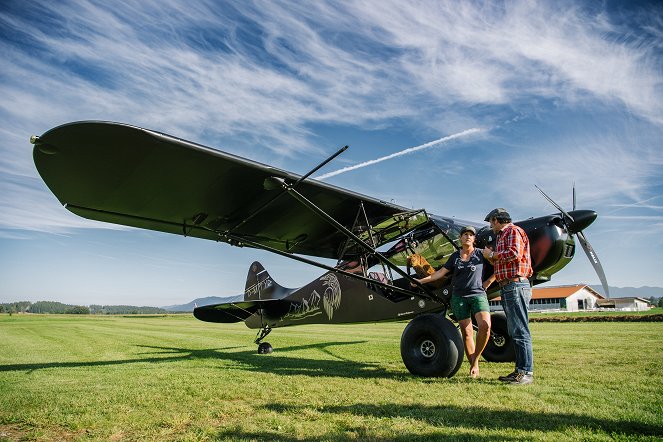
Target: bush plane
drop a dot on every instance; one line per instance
(122, 174)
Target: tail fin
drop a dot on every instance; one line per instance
(259, 285)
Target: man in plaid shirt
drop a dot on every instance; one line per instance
(513, 265)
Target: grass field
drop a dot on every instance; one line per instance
(174, 378)
(590, 313)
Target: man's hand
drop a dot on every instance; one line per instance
(488, 254)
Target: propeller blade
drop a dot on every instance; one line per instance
(557, 206)
(594, 259)
(585, 218)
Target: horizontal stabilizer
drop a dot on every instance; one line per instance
(240, 311)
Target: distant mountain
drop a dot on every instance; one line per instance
(199, 302)
(631, 292)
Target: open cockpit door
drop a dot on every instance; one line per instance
(384, 231)
(435, 241)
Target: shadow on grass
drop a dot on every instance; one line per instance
(355, 434)
(471, 418)
(248, 360)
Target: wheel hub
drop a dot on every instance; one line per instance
(499, 341)
(427, 348)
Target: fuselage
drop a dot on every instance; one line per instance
(337, 298)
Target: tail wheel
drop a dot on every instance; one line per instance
(431, 346)
(500, 346)
(264, 348)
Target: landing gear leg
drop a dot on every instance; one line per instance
(263, 347)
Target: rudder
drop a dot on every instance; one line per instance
(260, 285)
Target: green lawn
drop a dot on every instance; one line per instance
(175, 378)
(607, 313)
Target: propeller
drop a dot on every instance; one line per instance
(575, 222)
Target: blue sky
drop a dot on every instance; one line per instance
(521, 93)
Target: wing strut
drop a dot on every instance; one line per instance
(283, 191)
(341, 228)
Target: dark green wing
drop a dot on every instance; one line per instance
(126, 175)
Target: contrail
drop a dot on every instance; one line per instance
(398, 154)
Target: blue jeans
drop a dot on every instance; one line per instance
(515, 300)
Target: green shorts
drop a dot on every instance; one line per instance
(464, 308)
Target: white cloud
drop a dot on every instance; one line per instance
(27, 206)
(350, 63)
(493, 52)
(198, 71)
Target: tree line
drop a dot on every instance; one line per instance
(53, 307)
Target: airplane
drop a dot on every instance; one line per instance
(127, 175)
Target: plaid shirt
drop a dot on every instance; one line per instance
(512, 253)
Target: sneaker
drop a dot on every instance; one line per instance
(509, 378)
(522, 379)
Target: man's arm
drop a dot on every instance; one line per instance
(488, 282)
(513, 246)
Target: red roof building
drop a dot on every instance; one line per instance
(570, 298)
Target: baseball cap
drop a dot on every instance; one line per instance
(469, 229)
(497, 213)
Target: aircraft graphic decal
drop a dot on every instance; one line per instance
(256, 289)
(332, 297)
(308, 307)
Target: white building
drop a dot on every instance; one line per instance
(626, 304)
(571, 298)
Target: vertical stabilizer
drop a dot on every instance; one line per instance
(259, 285)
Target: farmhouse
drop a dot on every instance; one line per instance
(571, 298)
